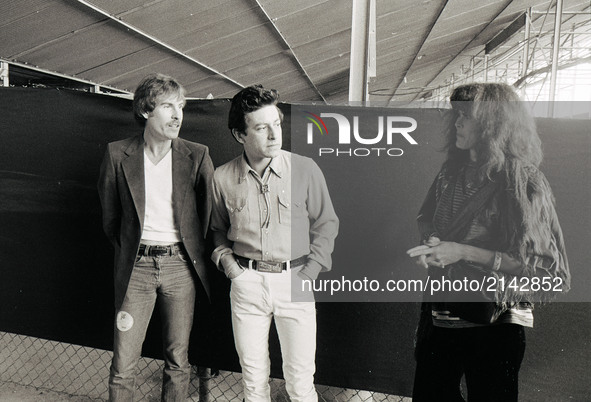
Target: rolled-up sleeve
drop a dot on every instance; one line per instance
(220, 221)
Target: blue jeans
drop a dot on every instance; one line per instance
(168, 279)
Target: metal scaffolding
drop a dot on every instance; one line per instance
(545, 54)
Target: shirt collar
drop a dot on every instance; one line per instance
(277, 166)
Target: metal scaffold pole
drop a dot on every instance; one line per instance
(555, 49)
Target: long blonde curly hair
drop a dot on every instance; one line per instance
(508, 149)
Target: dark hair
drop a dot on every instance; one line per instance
(150, 89)
(508, 148)
(248, 100)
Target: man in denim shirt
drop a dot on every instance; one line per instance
(274, 225)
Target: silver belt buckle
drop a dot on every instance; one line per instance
(272, 267)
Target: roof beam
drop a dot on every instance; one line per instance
(286, 44)
(423, 40)
(464, 48)
(505, 34)
(158, 42)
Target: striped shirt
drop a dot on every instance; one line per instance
(465, 187)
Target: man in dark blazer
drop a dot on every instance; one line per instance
(155, 192)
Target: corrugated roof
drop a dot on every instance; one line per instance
(302, 48)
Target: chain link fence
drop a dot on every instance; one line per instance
(84, 371)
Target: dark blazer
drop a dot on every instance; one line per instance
(122, 194)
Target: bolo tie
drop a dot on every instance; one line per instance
(264, 187)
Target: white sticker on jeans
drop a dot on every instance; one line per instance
(124, 321)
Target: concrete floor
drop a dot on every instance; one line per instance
(11, 392)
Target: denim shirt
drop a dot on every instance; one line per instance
(284, 215)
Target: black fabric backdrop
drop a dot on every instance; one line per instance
(56, 265)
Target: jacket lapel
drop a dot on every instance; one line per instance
(182, 165)
(133, 168)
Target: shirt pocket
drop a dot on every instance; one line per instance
(285, 207)
(238, 212)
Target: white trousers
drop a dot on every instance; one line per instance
(256, 299)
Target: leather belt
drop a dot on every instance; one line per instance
(156, 250)
(268, 266)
